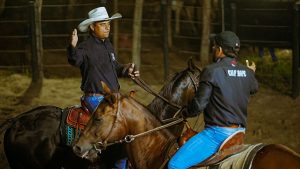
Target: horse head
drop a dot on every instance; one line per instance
(119, 119)
(180, 90)
(101, 127)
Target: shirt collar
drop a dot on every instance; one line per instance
(229, 60)
(99, 41)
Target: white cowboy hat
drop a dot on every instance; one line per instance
(97, 14)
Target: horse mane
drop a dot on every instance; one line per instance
(157, 104)
(143, 109)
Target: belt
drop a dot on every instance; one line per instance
(93, 94)
(230, 126)
(233, 126)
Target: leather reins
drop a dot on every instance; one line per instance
(129, 138)
(99, 146)
(147, 88)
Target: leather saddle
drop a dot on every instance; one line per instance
(232, 145)
(77, 117)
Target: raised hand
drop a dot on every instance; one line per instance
(252, 66)
(74, 38)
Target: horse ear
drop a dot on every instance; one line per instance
(106, 89)
(111, 98)
(191, 65)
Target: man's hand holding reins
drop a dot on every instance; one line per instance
(133, 72)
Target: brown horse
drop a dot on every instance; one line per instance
(34, 139)
(121, 119)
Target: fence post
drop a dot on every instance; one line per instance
(136, 38)
(296, 53)
(204, 56)
(36, 41)
(222, 15)
(164, 10)
(116, 29)
(35, 87)
(233, 17)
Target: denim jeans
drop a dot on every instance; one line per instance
(121, 164)
(201, 146)
(92, 102)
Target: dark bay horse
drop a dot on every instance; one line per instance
(120, 118)
(33, 140)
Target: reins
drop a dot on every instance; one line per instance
(129, 138)
(147, 88)
(99, 146)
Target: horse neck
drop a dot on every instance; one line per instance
(146, 151)
(161, 108)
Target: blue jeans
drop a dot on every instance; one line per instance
(91, 102)
(121, 164)
(201, 146)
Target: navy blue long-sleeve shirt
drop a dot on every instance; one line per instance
(97, 62)
(223, 93)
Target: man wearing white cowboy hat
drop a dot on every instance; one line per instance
(96, 58)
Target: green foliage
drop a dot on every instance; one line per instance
(274, 75)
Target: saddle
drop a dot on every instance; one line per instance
(74, 120)
(232, 145)
(77, 117)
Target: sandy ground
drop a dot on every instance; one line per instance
(273, 117)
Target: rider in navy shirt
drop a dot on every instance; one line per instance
(96, 58)
(97, 61)
(223, 95)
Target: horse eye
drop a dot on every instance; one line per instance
(98, 119)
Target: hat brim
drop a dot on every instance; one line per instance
(83, 26)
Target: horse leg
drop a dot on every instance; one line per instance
(276, 156)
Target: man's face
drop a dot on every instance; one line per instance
(101, 29)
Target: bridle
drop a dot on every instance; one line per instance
(99, 146)
(194, 81)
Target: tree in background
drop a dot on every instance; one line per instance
(136, 41)
(205, 44)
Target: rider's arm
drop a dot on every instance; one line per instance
(202, 95)
(75, 55)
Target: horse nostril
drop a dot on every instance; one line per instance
(77, 149)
